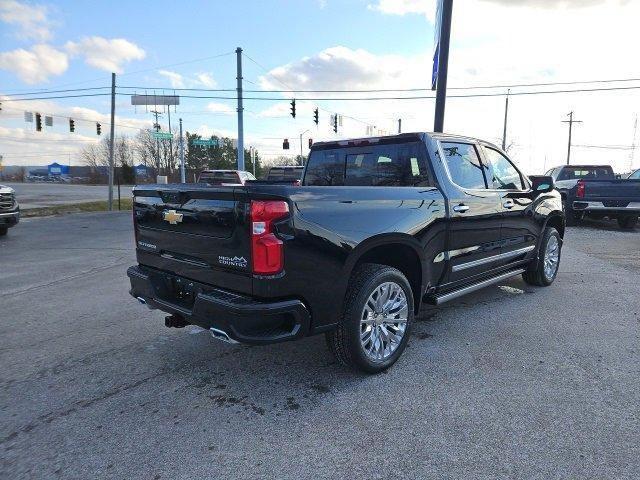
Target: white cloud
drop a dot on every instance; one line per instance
(175, 79)
(404, 7)
(225, 109)
(35, 65)
(31, 20)
(106, 54)
(206, 80)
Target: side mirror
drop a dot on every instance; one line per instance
(542, 183)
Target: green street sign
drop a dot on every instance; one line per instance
(205, 143)
(161, 135)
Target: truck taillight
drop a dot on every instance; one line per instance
(580, 189)
(266, 249)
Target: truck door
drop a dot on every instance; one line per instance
(475, 213)
(519, 230)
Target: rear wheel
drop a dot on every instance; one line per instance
(628, 222)
(376, 319)
(543, 271)
(3, 230)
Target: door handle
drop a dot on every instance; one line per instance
(508, 204)
(461, 208)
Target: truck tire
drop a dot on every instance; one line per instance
(544, 269)
(377, 316)
(628, 222)
(3, 230)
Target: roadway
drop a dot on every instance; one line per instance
(36, 195)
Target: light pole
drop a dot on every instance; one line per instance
(306, 131)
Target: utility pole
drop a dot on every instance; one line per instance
(182, 175)
(506, 114)
(399, 125)
(240, 110)
(171, 139)
(571, 121)
(157, 127)
(301, 156)
(443, 64)
(633, 144)
(111, 139)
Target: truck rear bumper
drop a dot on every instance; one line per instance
(243, 318)
(607, 207)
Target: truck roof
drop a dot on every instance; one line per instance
(398, 138)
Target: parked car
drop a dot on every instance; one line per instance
(9, 209)
(284, 174)
(225, 177)
(594, 191)
(378, 226)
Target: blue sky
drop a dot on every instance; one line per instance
(319, 45)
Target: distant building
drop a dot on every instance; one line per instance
(55, 169)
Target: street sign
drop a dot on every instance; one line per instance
(162, 135)
(205, 143)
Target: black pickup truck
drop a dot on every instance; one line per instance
(594, 191)
(377, 227)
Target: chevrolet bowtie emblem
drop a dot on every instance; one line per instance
(172, 217)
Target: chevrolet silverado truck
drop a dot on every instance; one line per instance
(377, 227)
(9, 209)
(594, 191)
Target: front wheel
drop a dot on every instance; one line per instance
(628, 222)
(3, 230)
(376, 319)
(543, 270)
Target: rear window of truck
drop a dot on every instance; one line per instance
(400, 165)
(218, 178)
(574, 173)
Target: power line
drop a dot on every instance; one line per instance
(55, 97)
(47, 92)
(81, 119)
(382, 90)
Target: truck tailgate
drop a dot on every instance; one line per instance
(623, 190)
(196, 232)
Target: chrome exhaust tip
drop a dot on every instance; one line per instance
(221, 335)
(141, 300)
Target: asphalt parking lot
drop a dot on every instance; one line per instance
(513, 381)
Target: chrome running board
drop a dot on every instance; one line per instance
(440, 299)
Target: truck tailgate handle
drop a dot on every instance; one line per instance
(461, 208)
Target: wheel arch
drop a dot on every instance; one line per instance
(395, 250)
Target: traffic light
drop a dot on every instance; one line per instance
(335, 123)
(316, 118)
(98, 129)
(293, 108)
(72, 125)
(38, 122)
(310, 142)
(285, 144)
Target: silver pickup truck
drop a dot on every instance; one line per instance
(9, 209)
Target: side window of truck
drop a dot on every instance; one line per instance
(325, 168)
(464, 165)
(504, 175)
(401, 165)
